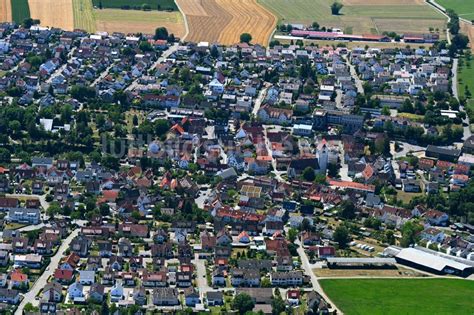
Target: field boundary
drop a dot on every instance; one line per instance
(185, 19)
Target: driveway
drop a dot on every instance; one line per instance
(43, 279)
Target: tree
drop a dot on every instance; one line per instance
(30, 308)
(410, 232)
(161, 127)
(347, 209)
(341, 236)
(5, 156)
(336, 8)
(161, 33)
(278, 305)
(245, 38)
(243, 303)
(292, 234)
(214, 51)
(308, 174)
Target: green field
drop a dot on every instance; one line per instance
(136, 4)
(20, 10)
(84, 17)
(401, 296)
(466, 76)
(465, 8)
(358, 19)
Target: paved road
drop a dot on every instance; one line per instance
(62, 67)
(314, 280)
(43, 279)
(201, 280)
(259, 100)
(454, 81)
(268, 146)
(357, 80)
(161, 59)
(102, 75)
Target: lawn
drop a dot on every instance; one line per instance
(466, 80)
(136, 4)
(466, 76)
(401, 296)
(358, 19)
(465, 8)
(20, 10)
(84, 17)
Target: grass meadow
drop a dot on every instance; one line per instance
(401, 296)
(358, 19)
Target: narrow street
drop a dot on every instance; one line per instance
(268, 146)
(61, 68)
(43, 279)
(259, 100)
(314, 280)
(355, 77)
(172, 49)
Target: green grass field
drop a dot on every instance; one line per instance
(466, 76)
(20, 10)
(84, 17)
(401, 296)
(136, 4)
(358, 19)
(465, 8)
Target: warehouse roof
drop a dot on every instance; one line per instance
(429, 260)
(360, 261)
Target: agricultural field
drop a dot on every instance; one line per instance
(57, 13)
(136, 4)
(401, 296)
(465, 8)
(20, 10)
(133, 21)
(224, 20)
(361, 16)
(84, 16)
(5, 11)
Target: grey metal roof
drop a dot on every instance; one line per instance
(429, 260)
(354, 260)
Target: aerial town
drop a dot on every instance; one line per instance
(142, 175)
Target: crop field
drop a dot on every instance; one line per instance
(57, 13)
(360, 16)
(401, 296)
(133, 21)
(465, 8)
(5, 11)
(136, 4)
(20, 10)
(224, 20)
(84, 16)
